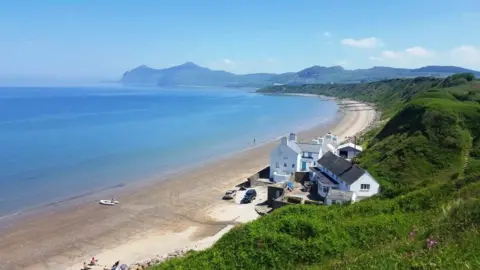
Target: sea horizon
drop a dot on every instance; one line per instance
(62, 142)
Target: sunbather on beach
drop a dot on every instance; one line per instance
(93, 261)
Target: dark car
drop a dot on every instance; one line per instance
(250, 196)
(230, 194)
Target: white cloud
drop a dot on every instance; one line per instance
(224, 64)
(466, 55)
(327, 34)
(419, 51)
(409, 57)
(391, 54)
(366, 43)
(229, 62)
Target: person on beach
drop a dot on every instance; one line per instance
(93, 261)
(85, 266)
(254, 141)
(114, 267)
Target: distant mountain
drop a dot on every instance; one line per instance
(443, 69)
(192, 74)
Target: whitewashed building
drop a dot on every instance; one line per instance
(337, 196)
(334, 172)
(292, 156)
(349, 150)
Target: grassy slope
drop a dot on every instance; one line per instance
(427, 159)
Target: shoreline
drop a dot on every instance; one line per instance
(117, 190)
(177, 206)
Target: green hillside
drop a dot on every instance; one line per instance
(427, 158)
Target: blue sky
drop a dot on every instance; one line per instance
(102, 39)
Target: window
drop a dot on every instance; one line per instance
(325, 189)
(293, 166)
(276, 165)
(333, 201)
(285, 165)
(364, 187)
(305, 154)
(309, 154)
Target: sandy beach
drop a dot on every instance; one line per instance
(182, 210)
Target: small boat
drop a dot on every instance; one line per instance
(108, 202)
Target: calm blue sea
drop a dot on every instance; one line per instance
(59, 142)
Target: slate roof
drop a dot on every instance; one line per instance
(339, 195)
(294, 147)
(350, 146)
(339, 166)
(309, 147)
(323, 178)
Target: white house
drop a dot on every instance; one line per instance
(292, 156)
(349, 150)
(334, 172)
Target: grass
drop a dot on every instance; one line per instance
(427, 159)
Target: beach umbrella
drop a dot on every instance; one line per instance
(123, 267)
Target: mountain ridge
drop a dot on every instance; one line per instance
(192, 74)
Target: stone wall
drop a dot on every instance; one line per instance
(301, 177)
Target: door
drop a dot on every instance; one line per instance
(304, 166)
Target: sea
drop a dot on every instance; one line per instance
(60, 142)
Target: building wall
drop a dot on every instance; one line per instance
(352, 154)
(352, 200)
(281, 177)
(310, 162)
(366, 178)
(275, 192)
(283, 154)
(320, 187)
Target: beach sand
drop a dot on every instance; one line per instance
(182, 210)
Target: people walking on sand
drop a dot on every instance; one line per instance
(254, 141)
(114, 267)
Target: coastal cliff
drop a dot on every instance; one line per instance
(426, 156)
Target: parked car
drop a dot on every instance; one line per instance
(230, 194)
(250, 196)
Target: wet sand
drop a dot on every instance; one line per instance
(173, 211)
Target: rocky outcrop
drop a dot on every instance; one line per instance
(159, 259)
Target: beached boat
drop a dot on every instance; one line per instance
(109, 202)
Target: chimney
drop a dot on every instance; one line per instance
(292, 137)
(321, 141)
(283, 140)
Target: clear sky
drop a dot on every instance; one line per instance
(104, 38)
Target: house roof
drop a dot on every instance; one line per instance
(294, 147)
(309, 147)
(339, 195)
(323, 178)
(339, 166)
(350, 145)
